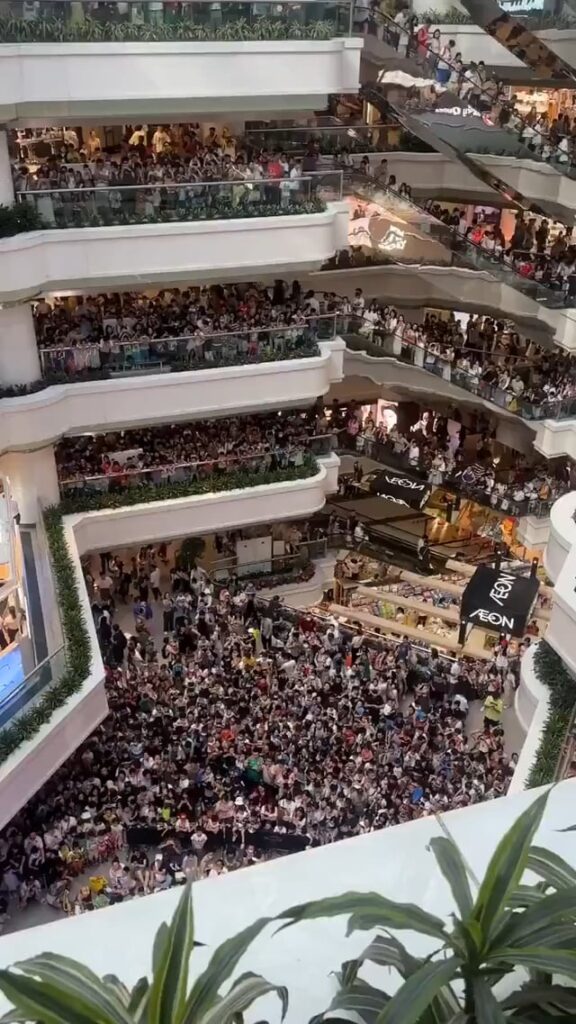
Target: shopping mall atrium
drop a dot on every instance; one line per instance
(287, 459)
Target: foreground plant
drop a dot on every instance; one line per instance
(505, 925)
(55, 989)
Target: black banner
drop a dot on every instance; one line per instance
(497, 600)
(402, 489)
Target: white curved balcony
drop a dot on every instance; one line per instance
(123, 255)
(435, 174)
(560, 564)
(126, 401)
(452, 288)
(206, 513)
(139, 62)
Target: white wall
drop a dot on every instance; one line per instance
(138, 81)
(395, 862)
(531, 704)
(560, 564)
(449, 288)
(35, 761)
(121, 255)
(206, 513)
(556, 437)
(435, 173)
(127, 401)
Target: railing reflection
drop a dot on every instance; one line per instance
(184, 201)
(197, 351)
(125, 477)
(154, 21)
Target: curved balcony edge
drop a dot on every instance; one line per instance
(120, 255)
(44, 417)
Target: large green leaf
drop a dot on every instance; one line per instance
(368, 910)
(453, 868)
(138, 997)
(31, 997)
(560, 997)
(360, 998)
(418, 991)
(486, 1007)
(68, 979)
(389, 952)
(544, 914)
(506, 867)
(166, 997)
(222, 963)
(560, 936)
(526, 896)
(243, 993)
(552, 868)
(538, 958)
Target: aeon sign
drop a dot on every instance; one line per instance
(503, 622)
(500, 591)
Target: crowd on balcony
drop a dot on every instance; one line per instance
(191, 326)
(250, 732)
(154, 156)
(484, 357)
(186, 450)
(442, 455)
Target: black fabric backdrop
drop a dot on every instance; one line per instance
(496, 599)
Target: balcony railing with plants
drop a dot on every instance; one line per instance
(185, 201)
(385, 346)
(86, 360)
(128, 486)
(50, 21)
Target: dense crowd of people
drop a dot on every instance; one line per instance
(439, 455)
(248, 732)
(197, 326)
(192, 326)
(484, 357)
(184, 450)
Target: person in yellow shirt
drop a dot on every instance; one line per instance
(493, 708)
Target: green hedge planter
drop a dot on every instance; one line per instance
(552, 673)
(59, 30)
(74, 628)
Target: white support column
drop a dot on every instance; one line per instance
(6, 184)
(19, 360)
(33, 481)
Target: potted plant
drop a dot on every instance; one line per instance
(54, 989)
(470, 976)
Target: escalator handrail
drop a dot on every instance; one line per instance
(378, 15)
(456, 233)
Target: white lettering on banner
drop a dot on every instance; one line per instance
(404, 482)
(394, 240)
(502, 587)
(464, 112)
(397, 501)
(493, 619)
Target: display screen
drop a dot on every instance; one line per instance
(11, 673)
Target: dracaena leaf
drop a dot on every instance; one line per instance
(506, 867)
(487, 1010)
(243, 993)
(453, 868)
(166, 997)
(551, 868)
(223, 962)
(368, 910)
(77, 983)
(418, 991)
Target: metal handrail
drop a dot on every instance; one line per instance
(171, 186)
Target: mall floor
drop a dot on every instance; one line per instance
(37, 914)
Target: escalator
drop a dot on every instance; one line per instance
(470, 123)
(411, 236)
(516, 36)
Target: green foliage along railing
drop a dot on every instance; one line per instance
(76, 636)
(551, 672)
(76, 643)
